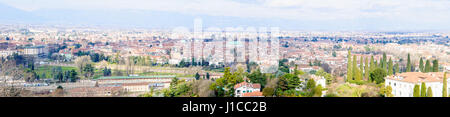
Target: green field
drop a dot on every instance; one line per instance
(48, 70)
(97, 73)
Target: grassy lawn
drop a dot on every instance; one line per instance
(48, 70)
(159, 73)
(353, 90)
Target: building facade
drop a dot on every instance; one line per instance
(403, 84)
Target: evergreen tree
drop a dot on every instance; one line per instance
(390, 67)
(429, 92)
(361, 67)
(416, 91)
(197, 76)
(423, 90)
(444, 88)
(421, 67)
(208, 76)
(408, 64)
(428, 66)
(435, 66)
(366, 69)
(349, 66)
(384, 61)
(397, 69)
(372, 64)
(355, 68)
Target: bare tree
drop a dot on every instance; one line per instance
(81, 62)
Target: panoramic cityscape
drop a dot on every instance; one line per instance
(258, 48)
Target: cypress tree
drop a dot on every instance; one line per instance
(428, 67)
(390, 67)
(444, 88)
(366, 69)
(355, 68)
(361, 67)
(349, 66)
(397, 69)
(384, 61)
(429, 92)
(372, 65)
(408, 64)
(421, 65)
(416, 91)
(423, 90)
(435, 66)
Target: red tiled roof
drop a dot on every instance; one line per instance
(253, 85)
(252, 94)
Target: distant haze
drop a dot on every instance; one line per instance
(308, 15)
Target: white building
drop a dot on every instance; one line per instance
(244, 87)
(35, 50)
(403, 84)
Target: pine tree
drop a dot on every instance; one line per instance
(416, 91)
(408, 64)
(429, 92)
(444, 88)
(366, 69)
(435, 66)
(349, 66)
(423, 90)
(428, 66)
(421, 65)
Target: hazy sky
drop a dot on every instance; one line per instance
(427, 13)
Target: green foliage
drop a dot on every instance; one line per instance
(435, 66)
(310, 84)
(396, 68)
(317, 91)
(257, 77)
(282, 66)
(366, 69)
(106, 72)
(416, 91)
(355, 68)
(328, 77)
(197, 76)
(429, 92)
(179, 89)
(288, 81)
(444, 87)
(428, 66)
(224, 87)
(349, 66)
(88, 71)
(208, 76)
(390, 67)
(421, 67)
(361, 82)
(423, 90)
(378, 75)
(386, 91)
(408, 64)
(268, 91)
(384, 61)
